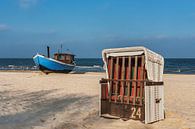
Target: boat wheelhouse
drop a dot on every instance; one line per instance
(67, 58)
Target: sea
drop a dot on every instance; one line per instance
(172, 66)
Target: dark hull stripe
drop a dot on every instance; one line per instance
(46, 70)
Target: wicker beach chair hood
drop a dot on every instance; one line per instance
(152, 60)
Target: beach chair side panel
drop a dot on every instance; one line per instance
(154, 97)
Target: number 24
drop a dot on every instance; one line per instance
(136, 113)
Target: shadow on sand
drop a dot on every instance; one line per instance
(40, 107)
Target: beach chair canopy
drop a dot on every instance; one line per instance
(154, 63)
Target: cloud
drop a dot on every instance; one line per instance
(27, 3)
(4, 27)
(157, 37)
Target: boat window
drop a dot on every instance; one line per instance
(68, 58)
(61, 57)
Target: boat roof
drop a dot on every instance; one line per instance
(65, 53)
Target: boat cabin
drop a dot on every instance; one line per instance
(64, 57)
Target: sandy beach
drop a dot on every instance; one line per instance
(33, 100)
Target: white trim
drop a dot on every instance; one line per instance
(52, 60)
(115, 54)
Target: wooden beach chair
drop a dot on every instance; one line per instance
(133, 88)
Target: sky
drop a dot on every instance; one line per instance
(86, 27)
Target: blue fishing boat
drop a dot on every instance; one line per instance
(62, 62)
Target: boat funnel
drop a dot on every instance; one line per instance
(48, 52)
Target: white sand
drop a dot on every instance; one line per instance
(70, 101)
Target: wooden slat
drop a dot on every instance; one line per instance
(116, 90)
(124, 80)
(123, 77)
(128, 93)
(148, 83)
(138, 78)
(135, 77)
(142, 77)
(111, 77)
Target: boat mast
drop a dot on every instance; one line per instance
(61, 47)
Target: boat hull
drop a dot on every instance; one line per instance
(48, 65)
